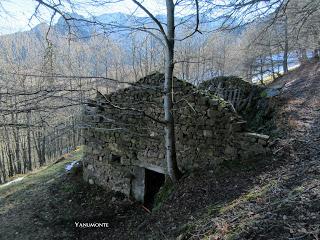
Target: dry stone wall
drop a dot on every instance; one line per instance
(123, 133)
(241, 94)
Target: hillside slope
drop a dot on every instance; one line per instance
(275, 199)
(47, 203)
(278, 199)
(286, 201)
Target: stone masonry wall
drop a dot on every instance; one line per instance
(122, 133)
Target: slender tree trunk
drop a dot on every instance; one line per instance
(10, 162)
(17, 150)
(29, 140)
(286, 46)
(9, 151)
(303, 56)
(24, 157)
(271, 62)
(170, 143)
(16, 138)
(134, 60)
(43, 149)
(3, 169)
(37, 145)
(316, 53)
(261, 70)
(74, 133)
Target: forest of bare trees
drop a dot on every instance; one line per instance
(46, 74)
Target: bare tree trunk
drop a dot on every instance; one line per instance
(24, 156)
(271, 62)
(29, 140)
(37, 145)
(303, 56)
(261, 70)
(74, 132)
(316, 53)
(9, 152)
(133, 60)
(170, 142)
(43, 148)
(3, 168)
(286, 46)
(10, 163)
(16, 138)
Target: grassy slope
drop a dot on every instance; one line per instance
(47, 203)
(27, 207)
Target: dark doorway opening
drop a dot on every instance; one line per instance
(153, 183)
(115, 158)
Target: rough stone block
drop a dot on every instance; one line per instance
(91, 182)
(257, 135)
(207, 133)
(238, 126)
(263, 142)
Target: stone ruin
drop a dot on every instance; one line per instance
(124, 142)
(235, 90)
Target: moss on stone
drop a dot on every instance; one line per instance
(163, 194)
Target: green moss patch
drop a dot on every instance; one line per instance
(163, 194)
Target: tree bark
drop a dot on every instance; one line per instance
(303, 56)
(170, 142)
(286, 46)
(29, 140)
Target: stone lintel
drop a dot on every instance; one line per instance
(257, 135)
(153, 168)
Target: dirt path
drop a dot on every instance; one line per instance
(293, 208)
(299, 103)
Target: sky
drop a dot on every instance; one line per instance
(16, 15)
